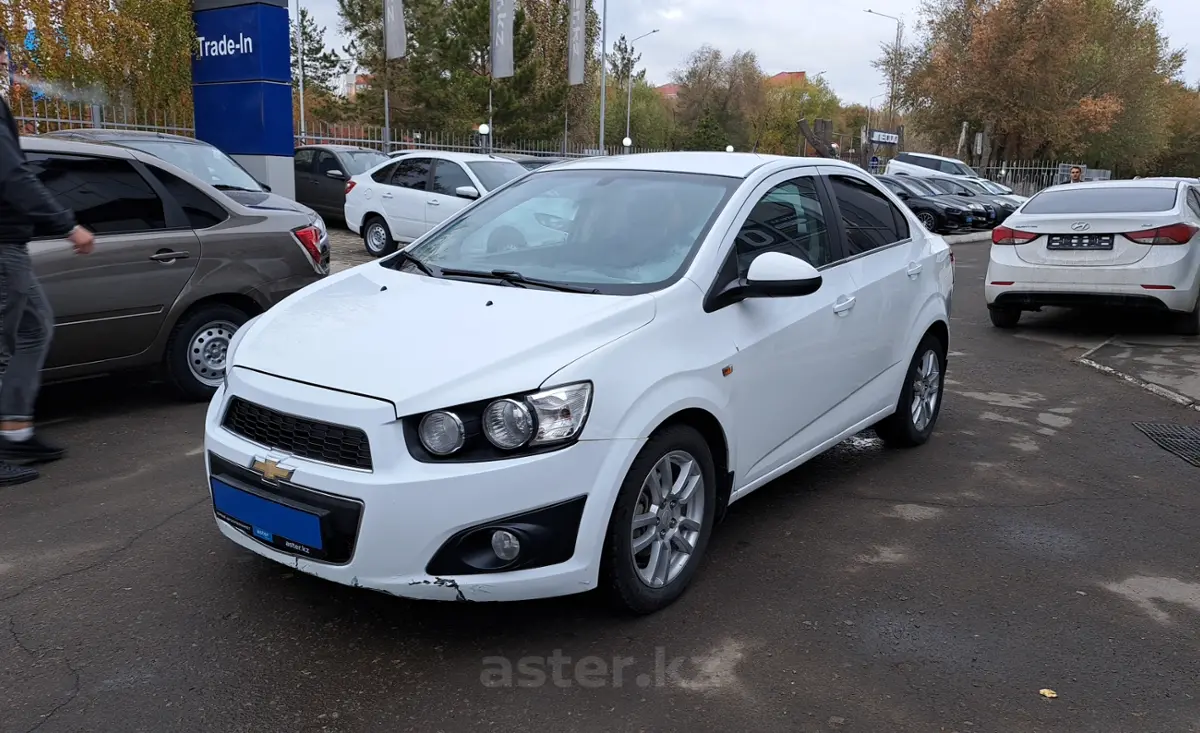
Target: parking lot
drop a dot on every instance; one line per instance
(1039, 541)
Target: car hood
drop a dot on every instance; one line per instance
(961, 202)
(424, 343)
(267, 200)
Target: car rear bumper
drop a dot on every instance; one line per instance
(1164, 280)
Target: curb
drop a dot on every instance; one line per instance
(1172, 395)
(972, 238)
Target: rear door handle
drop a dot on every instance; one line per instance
(386, 196)
(166, 255)
(843, 304)
(914, 269)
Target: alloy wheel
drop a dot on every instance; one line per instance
(926, 390)
(667, 518)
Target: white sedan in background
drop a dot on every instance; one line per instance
(1130, 244)
(526, 404)
(400, 199)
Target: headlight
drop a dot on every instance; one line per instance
(442, 433)
(952, 210)
(500, 428)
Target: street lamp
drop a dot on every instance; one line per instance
(628, 143)
(486, 131)
(629, 98)
(892, 81)
(728, 148)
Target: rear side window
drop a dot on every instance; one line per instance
(1069, 199)
(412, 173)
(201, 211)
(1194, 201)
(384, 174)
(108, 195)
(868, 216)
(930, 163)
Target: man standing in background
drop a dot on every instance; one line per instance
(1076, 174)
(27, 210)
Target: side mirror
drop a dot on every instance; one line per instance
(771, 275)
(265, 187)
(466, 192)
(903, 195)
(336, 174)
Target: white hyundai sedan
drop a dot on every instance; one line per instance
(562, 387)
(1129, 244)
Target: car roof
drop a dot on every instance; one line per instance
(336, 148)
(733, 165)
(931, 155)
(108, 135)
(452, 155)
(1132, 183)
(63, 144)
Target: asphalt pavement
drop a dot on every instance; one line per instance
(1038, 542)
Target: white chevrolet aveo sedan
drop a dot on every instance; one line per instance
(563, 386)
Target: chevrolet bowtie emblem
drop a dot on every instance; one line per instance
(271, 470)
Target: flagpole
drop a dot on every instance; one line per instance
(387, 101)
(603, 68)
(300, 54)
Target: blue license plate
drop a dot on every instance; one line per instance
(271, 522)
(970, 220)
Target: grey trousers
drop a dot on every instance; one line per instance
(26, 327)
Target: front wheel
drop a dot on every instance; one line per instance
(920, 400)
(661, 521)
(198, 348)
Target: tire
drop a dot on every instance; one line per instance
(620, 571)
(376, 230)
(1004, 317)
(198, 342)
(907, 427)
(928, 220)
(1189, 323)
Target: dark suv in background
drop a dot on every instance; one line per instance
(179, 265)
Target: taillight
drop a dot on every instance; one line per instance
(350, 186)
(309, 238)
(1004, 235)
(1174, 234)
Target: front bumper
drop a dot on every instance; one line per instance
(400, 513)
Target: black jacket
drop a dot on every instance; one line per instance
(27, 209)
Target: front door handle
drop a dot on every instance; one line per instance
(914, 269)
(166, 255)
(843, 304)
(434, 202)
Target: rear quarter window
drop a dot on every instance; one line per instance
(1067, 199)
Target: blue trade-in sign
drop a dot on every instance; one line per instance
(242, 43)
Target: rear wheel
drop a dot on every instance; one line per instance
(920, 400)
(377, 237)
(1004, 317)
(1189, 323)
(198, 347)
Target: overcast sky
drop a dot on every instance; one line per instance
(815, 36)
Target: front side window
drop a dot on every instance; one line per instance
(920, 187)
(930, 163)
(448, 176)
(303, 160)
(495, 173)
(107, 195)
(412, 173)
(869, 218)
(620, 232)
(201, 211)
(327, 161)
(201, 160)
(787, 219)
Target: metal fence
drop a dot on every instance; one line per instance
(1026, 178)
(36, 117)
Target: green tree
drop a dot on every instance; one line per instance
(623, 61)
(707, 135)
(785, 105)
(323, 68)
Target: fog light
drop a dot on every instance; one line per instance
(506, 545)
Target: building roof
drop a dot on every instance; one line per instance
(788, 77)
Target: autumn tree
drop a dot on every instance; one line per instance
(784, 105)
(730, 90)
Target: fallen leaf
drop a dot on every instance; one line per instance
(1046, 692)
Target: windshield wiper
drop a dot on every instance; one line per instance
(512, 277)
(405, 256)
(227, 187)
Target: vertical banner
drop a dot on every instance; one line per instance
(394, 35)
(576, 42)
(502, 38)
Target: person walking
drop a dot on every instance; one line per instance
(27, 210)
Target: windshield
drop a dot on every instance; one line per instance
(201, 160)
(620, 232)
(953, 166)
(359, 161)
(495, 173)
(921, 187)
(972, 186)
(1107, 200)
(944, 186)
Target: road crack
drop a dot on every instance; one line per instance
(1002, 505)
(71, 695)
(107, 558)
